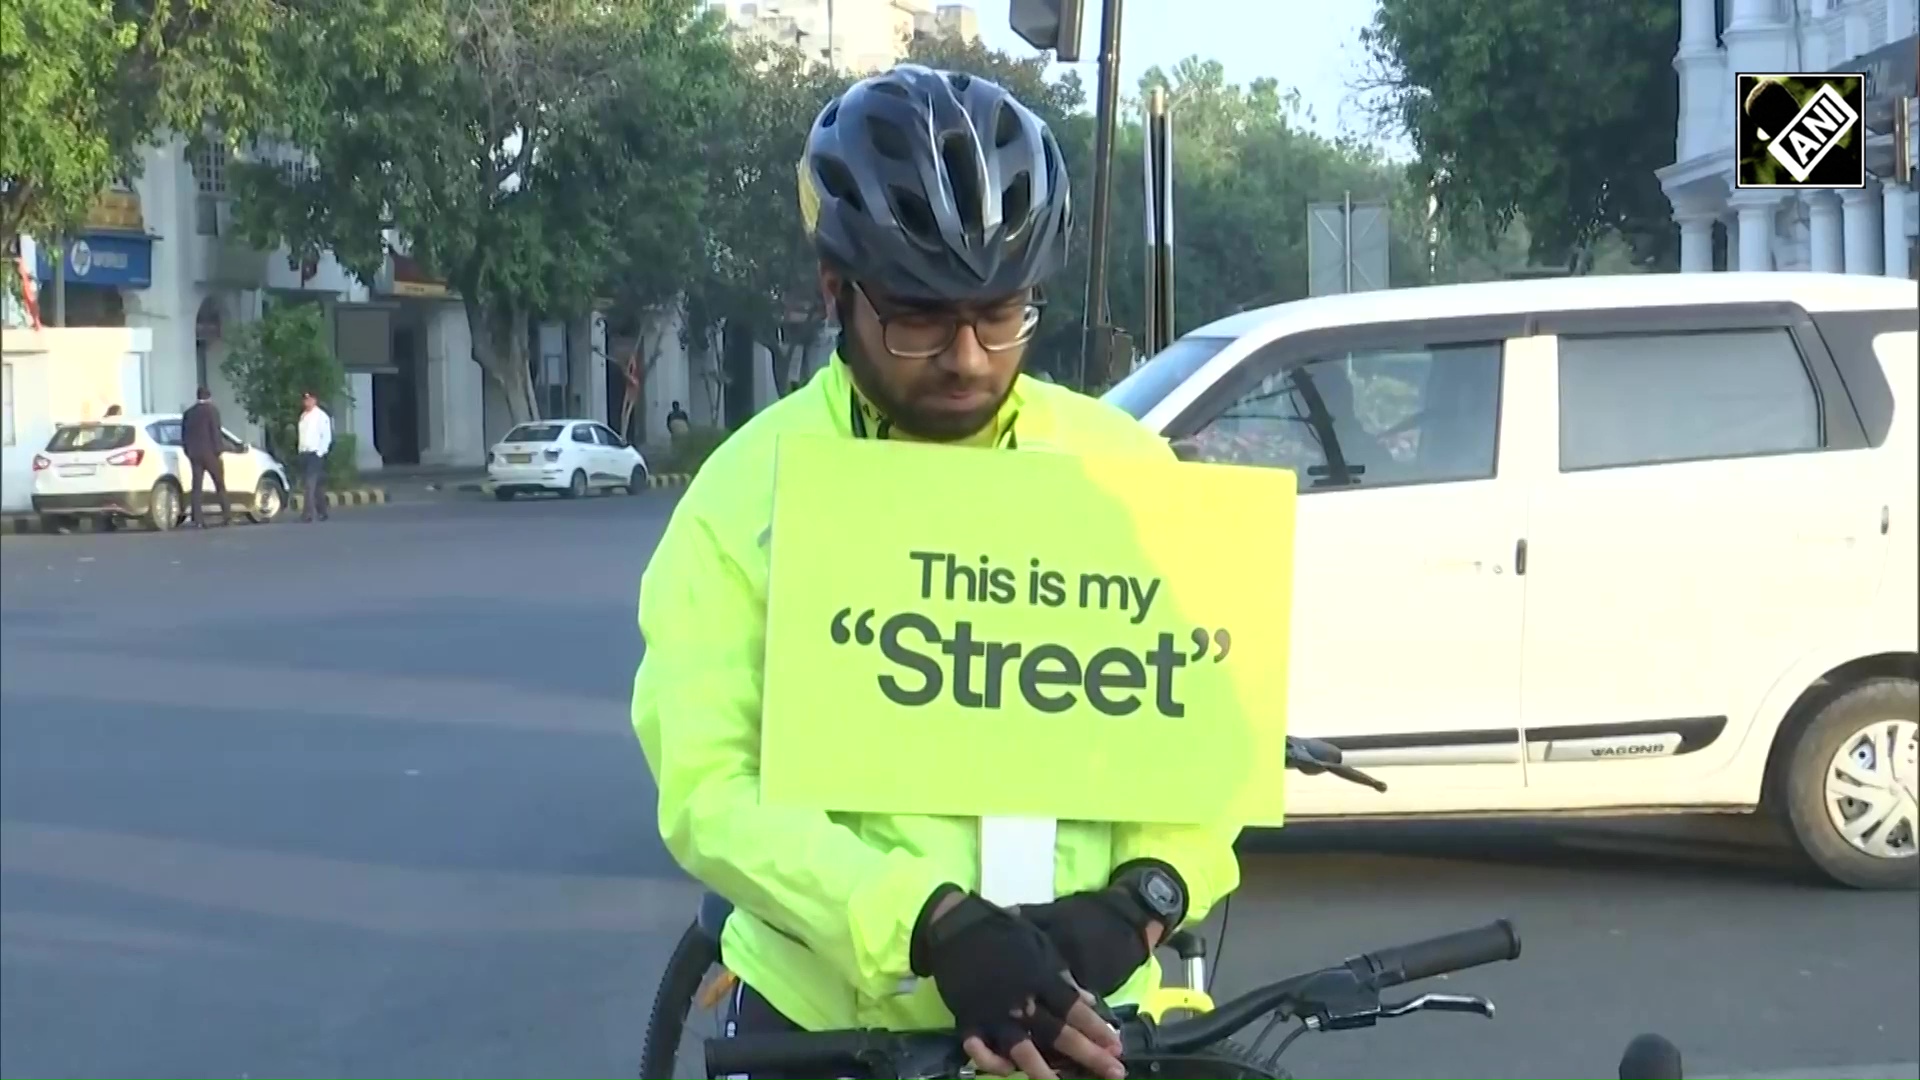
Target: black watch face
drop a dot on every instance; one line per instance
(1161, 894)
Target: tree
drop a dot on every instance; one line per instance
(764, 278)
(279, 358)
(528, 152)
(1558, 112)
(89, 83)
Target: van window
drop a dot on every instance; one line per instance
(1147, 384)
(1371, 418)
(89, 437)
(1649, 399)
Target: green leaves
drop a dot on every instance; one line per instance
(279, 358)
(530, 152)
(88, 83)
(1559, 113)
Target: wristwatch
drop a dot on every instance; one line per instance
(1161, 895)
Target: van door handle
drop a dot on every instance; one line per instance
(1520, 557)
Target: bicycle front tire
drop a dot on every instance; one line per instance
(693, 958)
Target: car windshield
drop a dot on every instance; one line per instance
(87, 437)
(1155, 379)
(534, 433)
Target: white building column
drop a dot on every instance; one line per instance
(1696, 241)
(1865, 245)
(1893, 224)
(1696, 26)
(1754, 211)
(1828, 254)
(359, 408)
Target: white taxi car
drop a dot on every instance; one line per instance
(132, 467)
(571, 457)
(1593, 545)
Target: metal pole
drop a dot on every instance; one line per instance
(830, 34)
(60, 280)
(1346, 242)
(1150, 330)
(1106, 107)
(1161, 135)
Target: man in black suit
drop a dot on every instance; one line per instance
(202, 441)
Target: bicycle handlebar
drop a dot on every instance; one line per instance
(1335, 998)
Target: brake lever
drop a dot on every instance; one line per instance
(1460, 1003)
(1354, 776)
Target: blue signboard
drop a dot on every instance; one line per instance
(111, 260)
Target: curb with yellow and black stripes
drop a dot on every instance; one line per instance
(29, 524)
(336, 499)
(654, 480)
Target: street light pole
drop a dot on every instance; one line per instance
(1095, 317)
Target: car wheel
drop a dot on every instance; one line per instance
(1849, 786)
(577, 486)
(268, 500)
(503, 494)
(637, 480)
(163, 510)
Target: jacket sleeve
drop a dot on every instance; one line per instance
(1203, 854)
(696, 709)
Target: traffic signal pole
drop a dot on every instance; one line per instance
(1107, 105)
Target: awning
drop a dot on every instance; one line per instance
(113, 260)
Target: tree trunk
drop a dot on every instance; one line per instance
(500, 348)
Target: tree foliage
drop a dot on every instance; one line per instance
(277, 359)
(89, 83)
(1556, 112)
(528, 152)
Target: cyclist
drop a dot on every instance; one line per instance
(938, 205)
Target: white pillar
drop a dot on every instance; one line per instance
(1756, 232)
(1860, 213)
(1696, 25)
(1900, 19)
(359, 406)
(1696, 242)
(1893, 224)
(1828, 249)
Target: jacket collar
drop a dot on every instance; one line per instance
(855, 416)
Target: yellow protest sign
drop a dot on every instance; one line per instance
(983, 632)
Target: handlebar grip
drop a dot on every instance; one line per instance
(800, 1053)
(1496, 941)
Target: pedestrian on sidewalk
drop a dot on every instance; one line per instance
(200, 440)
(316, 438)
(678, 422)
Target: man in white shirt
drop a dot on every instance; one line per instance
(316, 438)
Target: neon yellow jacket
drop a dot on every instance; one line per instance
(825, 903)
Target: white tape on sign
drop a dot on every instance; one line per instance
(1016, 859)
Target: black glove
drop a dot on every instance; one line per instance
(987, 965)
(1102, 934)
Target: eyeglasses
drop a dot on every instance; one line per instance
(920, 335)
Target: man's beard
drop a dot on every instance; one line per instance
(928, 424)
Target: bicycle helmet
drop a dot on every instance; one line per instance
(935, 185)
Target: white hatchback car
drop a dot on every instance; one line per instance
(571, 457)
(1593, 545)
(132, 467)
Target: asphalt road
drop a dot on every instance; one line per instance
(360, 799)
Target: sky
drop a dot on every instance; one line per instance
(1313, 47)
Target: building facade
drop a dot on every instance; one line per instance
(852, 35)
(161, 255)
(1866, 231)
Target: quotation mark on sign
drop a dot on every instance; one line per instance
(1221, 641)
(862, 630)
